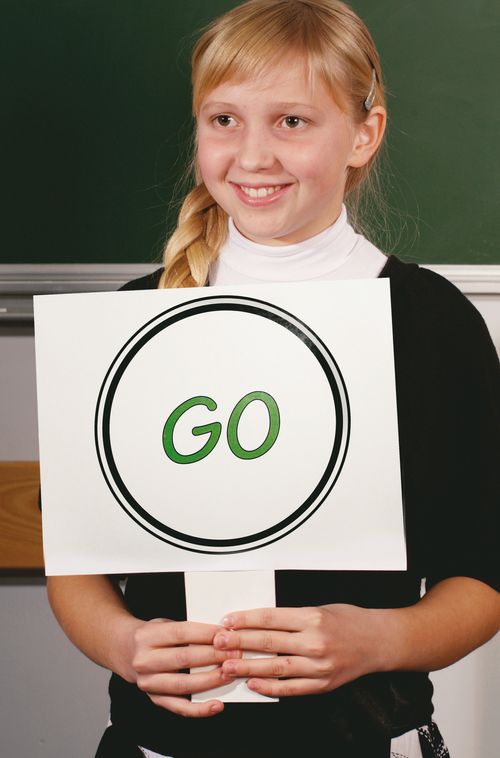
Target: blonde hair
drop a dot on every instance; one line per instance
(336, 46)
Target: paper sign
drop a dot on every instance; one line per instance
(219, 429)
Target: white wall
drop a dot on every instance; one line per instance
(53, 701)
(467, 697)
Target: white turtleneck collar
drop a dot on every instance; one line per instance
(335, 253)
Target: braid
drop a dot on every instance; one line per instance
(201, 230)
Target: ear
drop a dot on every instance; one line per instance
(368, 137)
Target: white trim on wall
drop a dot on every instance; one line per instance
(474, 279)
(19, 282)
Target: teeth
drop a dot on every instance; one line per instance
(260, 192)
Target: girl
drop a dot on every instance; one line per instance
(289, 105)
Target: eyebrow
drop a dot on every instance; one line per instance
(291, 106)
(285, 106)
(216, 105)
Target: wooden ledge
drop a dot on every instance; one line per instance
(20, 519)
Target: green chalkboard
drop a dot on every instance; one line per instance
(442, 62)
(96, 124)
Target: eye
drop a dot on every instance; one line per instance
(224, 120)
(293, 122)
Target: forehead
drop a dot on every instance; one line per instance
(287, 81)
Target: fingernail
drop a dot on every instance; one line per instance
(229, 668)
(252, 684)
(221, 640)
(228, 621)
(216, 707)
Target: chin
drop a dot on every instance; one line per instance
(261, 235)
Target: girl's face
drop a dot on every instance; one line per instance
(274, 154)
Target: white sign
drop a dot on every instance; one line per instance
(219, 429)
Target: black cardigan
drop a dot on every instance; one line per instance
(447, 379)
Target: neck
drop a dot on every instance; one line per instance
(327, 255)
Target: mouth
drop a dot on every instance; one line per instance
(260, 195)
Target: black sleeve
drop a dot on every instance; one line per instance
(148, 282)
(449, 407)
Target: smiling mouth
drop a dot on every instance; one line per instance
(263, 195)
(260, 191)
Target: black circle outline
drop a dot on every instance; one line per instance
(123, 359)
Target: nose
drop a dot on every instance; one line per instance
(255, 151)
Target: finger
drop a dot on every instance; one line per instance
(172, 633)
(287, 687)
(165, 660)
(275, 666)
(182, 684)
(183, 707)
(185, 633)
(285, 619)
(260, 640)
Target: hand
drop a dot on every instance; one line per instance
(162, 648)
(317, 649)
